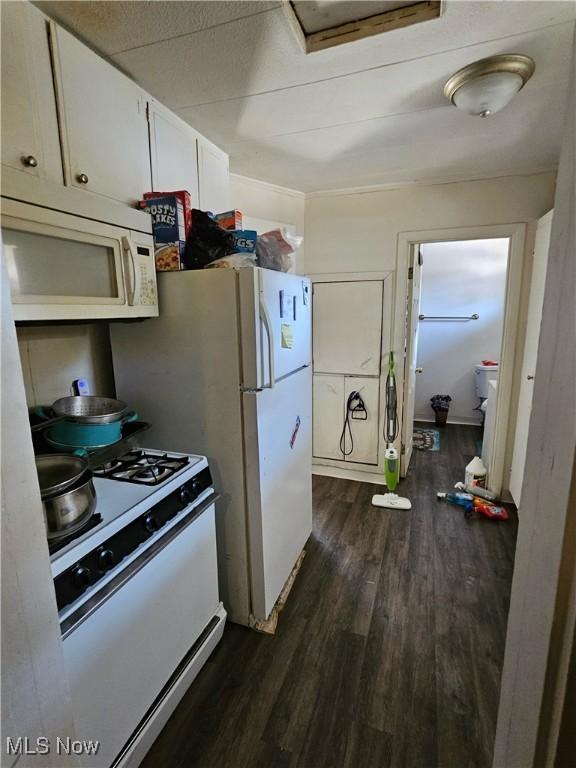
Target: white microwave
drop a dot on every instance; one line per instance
(64, 267)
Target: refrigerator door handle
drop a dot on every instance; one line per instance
(265, 318)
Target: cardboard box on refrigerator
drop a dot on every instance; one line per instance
(169, 230)
(229, 219)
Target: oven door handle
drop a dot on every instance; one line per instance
(78, 617)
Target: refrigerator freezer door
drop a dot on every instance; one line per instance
(276, 311)
(278, 449)
(287, 301)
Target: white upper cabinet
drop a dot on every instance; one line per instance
(30, 142)
(72, 123)
(214, 178)
(173, 152)
(103, 123)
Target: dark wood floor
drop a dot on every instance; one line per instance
(388, 652)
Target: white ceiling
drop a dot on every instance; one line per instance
(371, 112)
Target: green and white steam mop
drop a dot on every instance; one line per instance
(391, 461)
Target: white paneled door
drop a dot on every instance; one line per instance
(539, 266)
(357, 435)
(362, 437)
(173, 152)
(329, 405)
(348, 327)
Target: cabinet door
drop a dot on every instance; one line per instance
(347, 323)
(214, 178)
(328, 416)
(30, 141)
(104, 125)
(364, 441)
(173, 153)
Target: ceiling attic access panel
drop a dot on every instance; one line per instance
(321, 24)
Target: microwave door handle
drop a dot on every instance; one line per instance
(265, 318)
(135, 281)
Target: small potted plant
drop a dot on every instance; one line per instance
(440, 406)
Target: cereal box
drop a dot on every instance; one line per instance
(244, 240)
(168, 228)
(184, 198)
(229, 219)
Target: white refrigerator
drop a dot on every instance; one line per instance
(225, 371)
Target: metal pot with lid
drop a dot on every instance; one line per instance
(67, 492)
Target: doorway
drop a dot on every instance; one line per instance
(460, 309)
(460, 322)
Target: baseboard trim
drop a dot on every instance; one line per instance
(375, 478)
(461, 422)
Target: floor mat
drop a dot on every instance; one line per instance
(426, 439)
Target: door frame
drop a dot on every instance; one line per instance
(514, 272)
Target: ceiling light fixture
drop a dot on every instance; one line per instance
(487, 86)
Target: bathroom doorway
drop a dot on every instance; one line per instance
(461, 317)
(458, 317)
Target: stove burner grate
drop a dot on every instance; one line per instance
(142, 468)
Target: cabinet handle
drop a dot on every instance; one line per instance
(82, 178)
(30, 161)
(529, 378)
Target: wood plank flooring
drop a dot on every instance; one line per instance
(389, 650)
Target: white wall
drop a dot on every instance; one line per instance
(459, 279)
(53, 356)
(259, 200)
(358, 230)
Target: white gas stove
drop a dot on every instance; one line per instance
(137, 593)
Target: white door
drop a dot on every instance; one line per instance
(278, 449)
(361, 439)
(348, 327)
(329, 405)
(412, 325)
(537, 285)
(214, 178)
(173, 152)
(30, 140)
(104, 125)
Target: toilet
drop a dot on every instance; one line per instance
(483, 375)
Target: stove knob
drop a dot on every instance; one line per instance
(150, 523)
(82, 576)
(106, 559)
(186, 496)
(197, 486)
